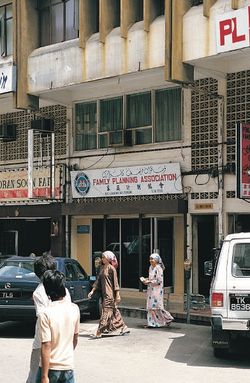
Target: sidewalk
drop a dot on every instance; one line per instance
(133, 304)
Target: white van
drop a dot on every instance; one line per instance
(230, 293)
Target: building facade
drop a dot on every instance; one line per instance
(118, 130)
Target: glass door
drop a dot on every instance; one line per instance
(130, 253)
(165, 246)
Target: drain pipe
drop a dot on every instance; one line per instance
(221, 217)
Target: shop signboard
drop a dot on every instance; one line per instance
(127, 181)
(14, 184)
(232, 30)
(7, 78)
(243, 161)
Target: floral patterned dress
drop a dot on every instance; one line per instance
(157, 316)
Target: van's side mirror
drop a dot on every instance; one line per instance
(208, 268)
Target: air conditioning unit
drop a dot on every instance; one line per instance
(44, 125)
(120, 138)
(8, 132)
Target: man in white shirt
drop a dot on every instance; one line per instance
(59, 327)
(41, 301)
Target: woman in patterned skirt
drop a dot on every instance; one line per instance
(111, 321)
(157, 316)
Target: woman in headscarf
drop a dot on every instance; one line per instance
(157, 316)
(111, 321)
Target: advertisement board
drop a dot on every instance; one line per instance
(243, 161)
(127, 181)
(7, 78)
(14, 184)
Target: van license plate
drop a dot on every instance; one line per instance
(239, 302)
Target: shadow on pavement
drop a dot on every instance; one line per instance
(17, 329)
(191, 345)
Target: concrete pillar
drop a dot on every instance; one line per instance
(207, 4)
(128, 15)
(88, 13)
(175, 69)
(26, 39)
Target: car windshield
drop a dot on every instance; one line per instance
(18, 269)
(241, 260)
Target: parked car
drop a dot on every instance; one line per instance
(18, 281)
(230, 293)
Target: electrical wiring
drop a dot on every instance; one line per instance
(203, 183)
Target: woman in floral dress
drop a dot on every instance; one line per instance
(157, 316)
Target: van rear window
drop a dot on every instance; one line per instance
(241, 260)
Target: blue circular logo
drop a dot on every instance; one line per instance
(82, 184)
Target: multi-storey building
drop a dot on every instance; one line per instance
(118, 131)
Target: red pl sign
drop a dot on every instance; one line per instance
(232, 30)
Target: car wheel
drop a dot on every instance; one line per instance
(97, 309)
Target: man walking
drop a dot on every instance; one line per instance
(41, 300)
(59, 327)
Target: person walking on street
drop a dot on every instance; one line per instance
(111, 321)
(157, 316)
(59, 327)
(41, 301)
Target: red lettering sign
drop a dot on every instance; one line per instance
(233, 30)
(229, 27)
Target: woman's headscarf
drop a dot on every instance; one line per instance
(111, 258)
(158, 259)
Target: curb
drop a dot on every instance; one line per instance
(137, 312)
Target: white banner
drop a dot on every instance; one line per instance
(7, 78)
(232, 30)
(136, 180)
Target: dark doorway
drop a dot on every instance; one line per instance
(206, 244)
(165, 245)
(31, 236)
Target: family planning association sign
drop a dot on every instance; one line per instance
(125, 181)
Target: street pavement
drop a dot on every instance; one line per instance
(181, 353)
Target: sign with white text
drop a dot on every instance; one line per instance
(14, 184)
(125, 181)
(232, 30)
(7, 78)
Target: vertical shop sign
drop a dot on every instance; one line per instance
(243, 161)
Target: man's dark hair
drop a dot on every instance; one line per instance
(44, 263)
(54, 284)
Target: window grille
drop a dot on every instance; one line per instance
(204, 124)
(18, 150)
(238, 107)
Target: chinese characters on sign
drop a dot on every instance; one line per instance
(136, 180)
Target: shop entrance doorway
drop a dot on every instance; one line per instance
(204, 241)
(24, 236)
(133, 240)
